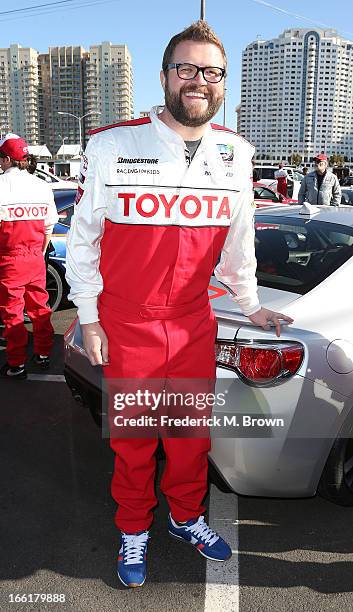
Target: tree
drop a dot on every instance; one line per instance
(336, 159)
(295, 159)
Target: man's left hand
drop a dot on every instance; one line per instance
(264, 317)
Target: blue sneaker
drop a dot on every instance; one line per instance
(199, 534)
(132, 558)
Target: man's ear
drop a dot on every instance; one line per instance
(162, 78)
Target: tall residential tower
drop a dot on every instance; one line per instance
(109, 86)
(62, 83)
(297, 95)
(19, 92)
(50, 98)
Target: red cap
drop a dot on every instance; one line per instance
(321, 157)
(14, 146)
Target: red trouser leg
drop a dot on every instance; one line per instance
(12, 288)
(22, 285)
(184, 481)
(36, 299)
(133, 482)
(136, 350)
(177, 348)
(282, 186)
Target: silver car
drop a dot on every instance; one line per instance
(286, 426)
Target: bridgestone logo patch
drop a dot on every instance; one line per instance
(137, 160)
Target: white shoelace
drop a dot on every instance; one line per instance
(134, 546)
(202, 530)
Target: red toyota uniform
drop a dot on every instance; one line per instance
(281, 175)
(146, 235)
(27, 214)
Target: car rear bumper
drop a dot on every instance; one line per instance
(276, 461)
(279, 466)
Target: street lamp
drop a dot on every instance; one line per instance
(79, 119)
(202, 10)
(224, 106)
(63, 138)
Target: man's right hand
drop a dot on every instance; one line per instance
(95, 343)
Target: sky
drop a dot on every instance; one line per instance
(147, 25)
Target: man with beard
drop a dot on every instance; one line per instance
(159, 199)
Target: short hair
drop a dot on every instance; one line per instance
(22, 165)
(198, 31)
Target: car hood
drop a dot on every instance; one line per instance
(225, 307)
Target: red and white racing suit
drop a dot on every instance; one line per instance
(146, 235)
(27, 214)
(281, 177)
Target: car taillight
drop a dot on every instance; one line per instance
(260, 363)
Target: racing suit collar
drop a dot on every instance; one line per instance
(164, 129)
(12, 169)
(208, 144)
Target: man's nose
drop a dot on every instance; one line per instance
(199, 78)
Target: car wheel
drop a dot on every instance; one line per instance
(54, 287)
(336, 482)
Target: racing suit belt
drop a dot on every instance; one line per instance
(152, 311)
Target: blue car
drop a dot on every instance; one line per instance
(56, 284)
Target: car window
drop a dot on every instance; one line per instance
(266, 173)
(297, 256)
(261, 193)
(43, 176)
(49, 178)
(347, 197)
(65, 215)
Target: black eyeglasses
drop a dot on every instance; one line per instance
(211, 74)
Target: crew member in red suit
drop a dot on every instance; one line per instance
(159, 200)
(281, 175)
(27, 216)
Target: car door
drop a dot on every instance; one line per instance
(265, 197)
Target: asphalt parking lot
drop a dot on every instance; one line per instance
(58, 536)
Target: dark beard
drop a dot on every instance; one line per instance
(182, 115)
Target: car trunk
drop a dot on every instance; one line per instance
(226, 308)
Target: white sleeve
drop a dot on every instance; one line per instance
(84, 236)
(52, 216)
(237, 266)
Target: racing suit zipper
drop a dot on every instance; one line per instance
(187, 157)
(318, 192)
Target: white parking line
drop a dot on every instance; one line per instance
(46, 377)
(222, 579)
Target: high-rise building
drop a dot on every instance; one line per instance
(57, 97)
(238, 117)
(297, 95)
(19, 92)
(109, 89)
(62, 73)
